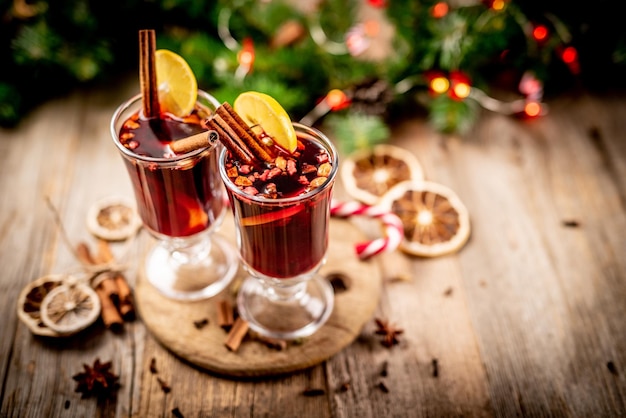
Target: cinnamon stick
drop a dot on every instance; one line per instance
(147, 73)
(275, 343)
(238, 137)
(105, 282)
(232, 144)
(84, 254)
(236, 334)
(225, 317)
(122, 296)
(191, 143)
(111, 317)
(241, 128)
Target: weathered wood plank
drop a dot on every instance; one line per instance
(514, 283)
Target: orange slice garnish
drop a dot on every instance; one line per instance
(271, 216)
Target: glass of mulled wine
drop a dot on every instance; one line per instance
(282, 226)
(180, 198)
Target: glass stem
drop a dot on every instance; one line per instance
(190, 250)
(286, 293)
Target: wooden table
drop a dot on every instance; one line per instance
(528, 319)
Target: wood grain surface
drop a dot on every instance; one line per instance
(526, 320)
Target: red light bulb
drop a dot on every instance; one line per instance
(540, 33)
(439, 10)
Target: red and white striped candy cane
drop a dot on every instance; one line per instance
(394, 231)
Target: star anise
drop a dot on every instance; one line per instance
(389, 332)
(96, 380)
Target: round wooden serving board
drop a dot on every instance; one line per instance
(172, 322)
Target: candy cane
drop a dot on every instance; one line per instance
(394, 230)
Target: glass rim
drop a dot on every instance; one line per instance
(161, 160)
(328, 145)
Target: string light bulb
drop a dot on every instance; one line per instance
(245, 57)
(497, 5)
(461, 90)
(336, 99)
(439, 10)
(439, 84)
(532, 109)
(460, 85)
(540, 33)
(569, 55)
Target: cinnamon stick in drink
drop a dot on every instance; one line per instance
(147, 73)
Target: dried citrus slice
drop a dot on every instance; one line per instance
(29, 303)
(435, 220)
(70, 308)
(367, 174)
(113, 219)
(260, 109)
(176, 82)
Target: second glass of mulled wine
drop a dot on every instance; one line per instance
(282, 218)
(180, 199)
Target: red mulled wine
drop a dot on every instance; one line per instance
(177, 196)
(283, 208)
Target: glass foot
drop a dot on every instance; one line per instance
(177, 275)
(285, 312)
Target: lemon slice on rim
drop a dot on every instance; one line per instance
(176, 82)
(260, 109)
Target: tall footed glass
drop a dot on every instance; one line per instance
(283, 241)
(180, 199)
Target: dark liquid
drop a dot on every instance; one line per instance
(291, 239)
(175, 200)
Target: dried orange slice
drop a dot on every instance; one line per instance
(368, 174)
(435, 220)
(70, 308)
(113, 218)
(29, 303)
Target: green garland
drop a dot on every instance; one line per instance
(51, 47)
